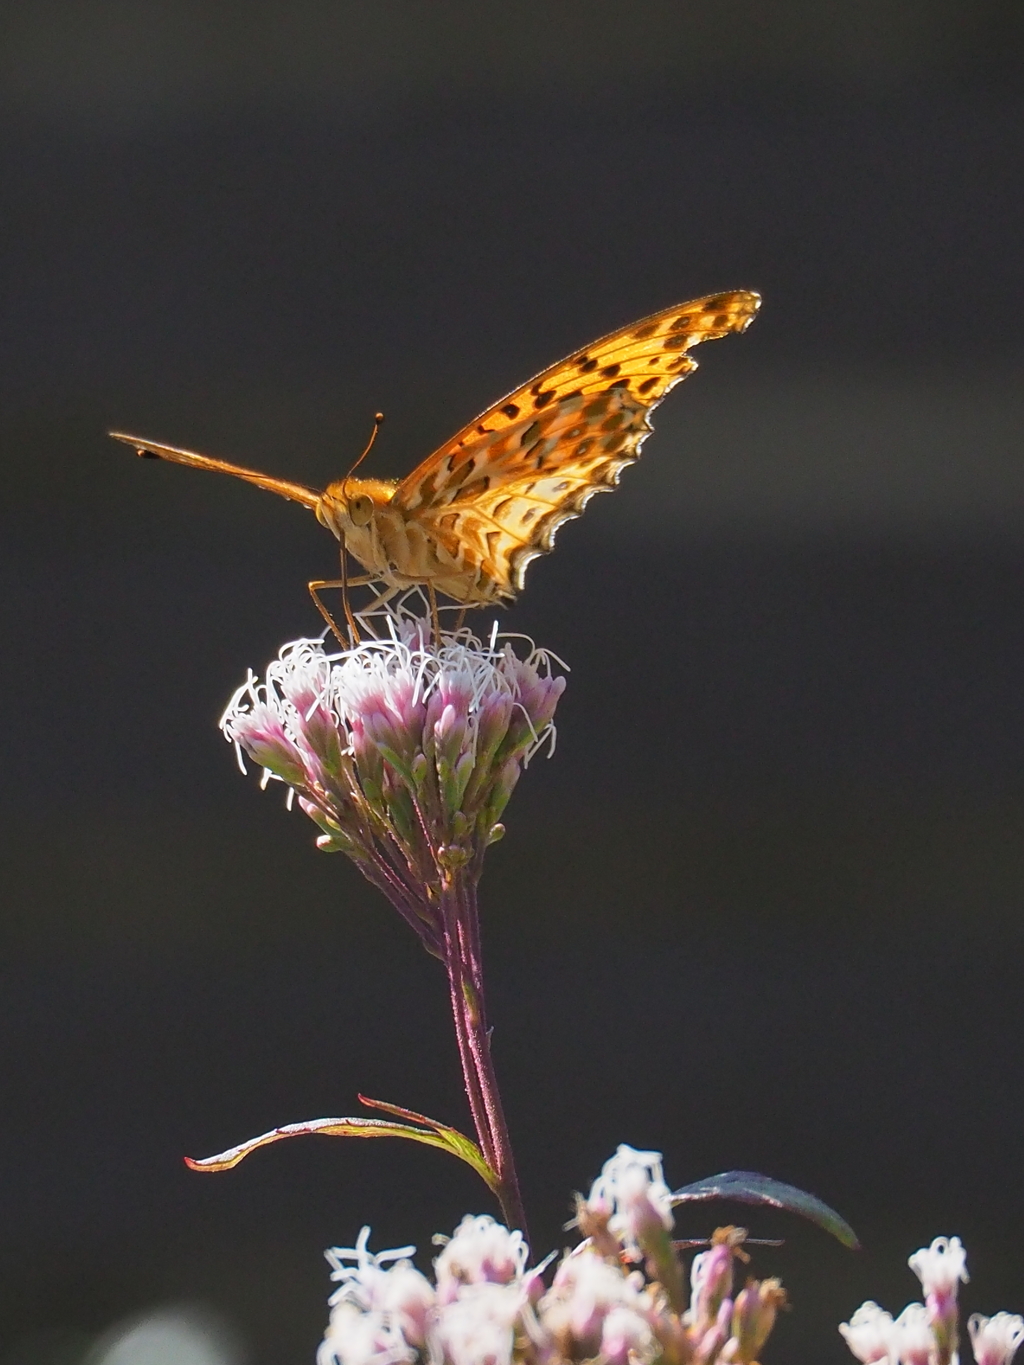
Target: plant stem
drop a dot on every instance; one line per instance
(464, 964)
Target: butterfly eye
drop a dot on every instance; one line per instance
(360, 509)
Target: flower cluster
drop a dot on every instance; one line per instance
(404, 750)
(619, 1296)
(928, 1333)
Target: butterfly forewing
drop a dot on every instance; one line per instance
(469, 519)
(496, 493)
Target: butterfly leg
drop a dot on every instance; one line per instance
(381, 600)
(344, 583)
(320, 585)
(316, 587)
(435, 620)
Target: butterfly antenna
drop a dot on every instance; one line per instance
(378, 418)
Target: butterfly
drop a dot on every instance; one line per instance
(470, 518)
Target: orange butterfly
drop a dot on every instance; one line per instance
(469, 519)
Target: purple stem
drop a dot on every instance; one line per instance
(464, 965)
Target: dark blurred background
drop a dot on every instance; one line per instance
(763, 908)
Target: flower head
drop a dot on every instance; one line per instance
(586, 1290)
(869, 1333)
(379, 1310)
(940, 1267)
(404, 750)
(928, 1333)
(631, 1191)
(912, 1336)
(477, 1328)
(481, 1251)
(488, 1309)
(995, 1340)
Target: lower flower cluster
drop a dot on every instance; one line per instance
(929, 1333)
(620, 1296)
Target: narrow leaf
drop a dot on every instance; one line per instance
(748, 1187)
(453, 1141)
(433, 1135)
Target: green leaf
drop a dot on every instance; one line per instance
(748, 1187)
(419, 1128)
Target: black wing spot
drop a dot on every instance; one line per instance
(648, 330)
(544, 398)
(587, 366)
(647, 385)
(610, 371)
(510, 410)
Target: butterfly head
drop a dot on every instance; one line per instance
(350, 506)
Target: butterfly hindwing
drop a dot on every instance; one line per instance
(496, 493)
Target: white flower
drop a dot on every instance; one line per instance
(869, 1333)
(477, 1328)
(481, 1250)
(378, 1313)
(585, 1290)
(995, 1340)
(632, 1188)
(626, 1337)
(354, 1337)
(913, 1338)
(940, 1267)
(363, 1283)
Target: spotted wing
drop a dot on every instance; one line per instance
(497, 492)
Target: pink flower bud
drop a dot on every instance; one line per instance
(753, 1317)
(710, 1283)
